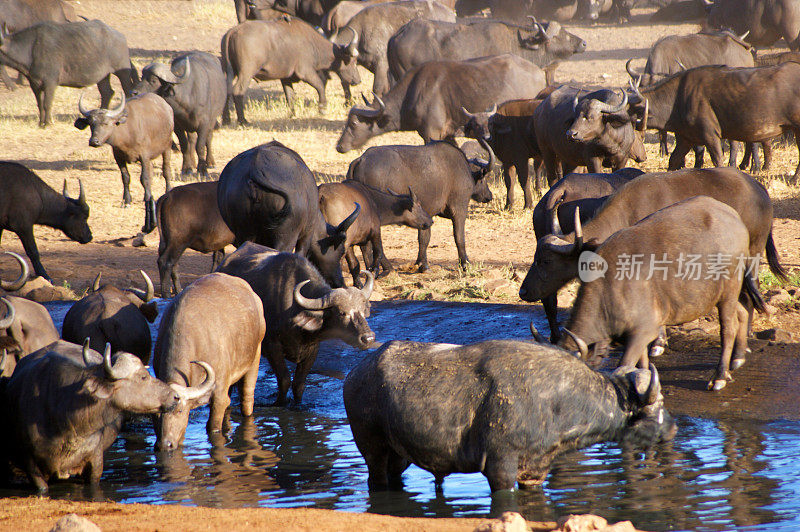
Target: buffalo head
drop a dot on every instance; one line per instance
(126, 383)
(337, 313)
(75, 216)
(346, 56)
(159, 78)
(101, 121)
(363, 124)
(141, 299)
(170, 427)
(480, 169)
(593, 117)
(555, 262)
(479, 124)
(649, 421)
(410, 211)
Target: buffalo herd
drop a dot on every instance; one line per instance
(503, 408)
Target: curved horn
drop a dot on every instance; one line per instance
(575, 101)
(646, 110)
(82, 196)
(413, 196)
(683, 67)
(381, 105)
(536, 335)
(535, 24)
(64, 191)
(319, 303)
(578, 230)
(111, 374)
(744, 35)
(85, 353)
(632, 73)
(654, 390)
(611, 109)
(114, 113)
(354, 41)
(96, 283)
(347, 222)
(187, 69)
(369, 284)
(485, 146)
(493, 110)
(83, 110)
(196, 392)
(13, 286)
(582, 347)
(144, 295)
(556, 225)
(11, 313)
(467, 113)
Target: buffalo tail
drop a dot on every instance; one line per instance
(774, 260)
(750, 290)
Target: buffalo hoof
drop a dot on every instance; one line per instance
(738, 360)
(717, 385)
(657, 351)
(244, 123)
(422, 268)
(186, 174)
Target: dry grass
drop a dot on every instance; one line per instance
(500, 243)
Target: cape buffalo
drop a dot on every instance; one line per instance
(505, 129)
(555, 214)
(138, 130)
(706, 104)
(66, 405)
(633, 304)
(300, 310)
(429, 99)
(27, 201)
(188, 217)
(17, 15)
(440, 176)
(556, 260)
(377, 208)
(503, 408)
(197, 97)
(268, 195)
(117, 317)
(765, 20)
(73, 54)
(289, 50)
(375, 25)
(227, 341)
(542, 44)
(584, 130)
(25, 327)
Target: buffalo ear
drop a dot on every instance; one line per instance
(122, 119)
(149, 310)
(332, 241)
(309, 320)
(97, 388)
(617, 120)
(81, 123)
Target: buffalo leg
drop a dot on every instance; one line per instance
(424, 238)
(275, 359)
(550, 304)
(201, 149)
(167, 259)
(348, 97)
(740, 348)
(524, 178)
(319, 85)
(541, 178)
(552, 168)
(636, 349)
(508, 178)
(594, 165)
(288, 91)
(220, 402)
(299, 380)
(797, 142)
(699, 155)
(149, 203)
(378, 257)
(32, 251)
(238, 103)
(381, 82)
(122, 163)
(36, 476)
(247, 386)
(663, 144)
(106, 92)
(714, 145)
(736, 147)
(186, 165)
(210, 162)
(459, 223)
(501, 471)
(660, 343)
(767, 149)
(6, 78)
(353, 265)
(677, 159)
(728, 331)
(94, 469)
(166, 170)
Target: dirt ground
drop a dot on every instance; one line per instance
(500, 244)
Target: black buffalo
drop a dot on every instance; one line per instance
(441, 177)
(197, 96)
(268, 195)
(73, 54)
(502, 408)
(27, 201)
(300, 310)
(423, 40)
(430, 98)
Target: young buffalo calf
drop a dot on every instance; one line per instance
(229, 341)
(693, 256)
(188, 217)
(137, 130)
(377, 208)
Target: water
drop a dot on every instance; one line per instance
(715, 475)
